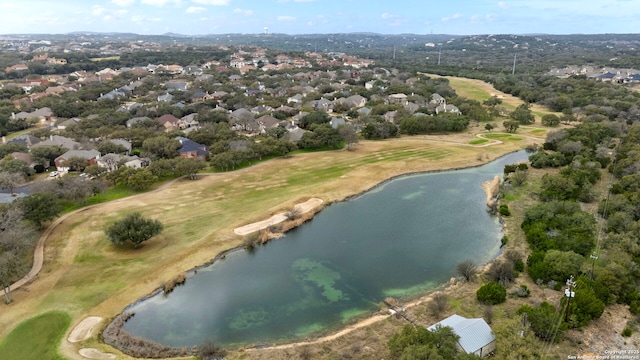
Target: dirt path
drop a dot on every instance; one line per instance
(277, 218)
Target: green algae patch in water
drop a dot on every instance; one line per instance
(245, 319)
(315, 272)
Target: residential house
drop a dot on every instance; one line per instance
(475, 335)
(64, 124)
(364, 111)
(169, 122)
(267, 122)
(28, 140)
(188, 121)
(335, 122)
(411, 107)
(243, 119)
(176, 85)
(113, 94)
(322, 105)
(126, 144)
(353, 101)
(57, 140)
(135, 120)
(448, 108)
(192, 150)
(294, 135)
(26, 157)
(296, 99)
(192, 70)
(398, 99)
(106, 74)
(112, 161)
(16, 67)
(91, 156)
(165, 98)
(437, 99)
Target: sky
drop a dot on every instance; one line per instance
(201, 17)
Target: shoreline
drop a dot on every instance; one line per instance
(316, 209)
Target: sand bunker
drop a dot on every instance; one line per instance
(83, 330)
(91, 353)
(278, 218)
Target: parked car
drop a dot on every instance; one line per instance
(53, 174)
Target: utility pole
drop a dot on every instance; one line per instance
(593, 257)
(569, 294)
(394, 52)
(439, 53)
(513, 70)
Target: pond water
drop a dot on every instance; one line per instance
(401, 239)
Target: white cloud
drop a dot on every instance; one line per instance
(483, 19)
(123, 2)
(195, 9)
(503, 5)
(286, 18)
(213, 2)
(452, 17)
(160, 2)
(143, 19)
(244, 12)
(388, 16)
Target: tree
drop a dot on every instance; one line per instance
(16, 239)
(109, 147)
(550, 120)
(12, 165)
(10, 180)
(161, 147)
(141, 179)
(348, 134)
(543, 319)
(47, 154)
(489, 127)
(511, 126)
(133, 228)
(76, 163)
(189, 167)
(316, 117)
(522, 114)
(40, 208)
(491, 293)
(467, 269)
(413, 342)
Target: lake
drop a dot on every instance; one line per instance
(401, 239)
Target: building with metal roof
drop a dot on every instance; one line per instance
(475, 335)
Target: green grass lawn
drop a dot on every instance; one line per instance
(478, 142)
(36, 338)
(497, 136)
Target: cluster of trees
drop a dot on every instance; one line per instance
(416, 342)
(440, 123)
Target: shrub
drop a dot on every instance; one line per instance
(504, 241)
(502, 272)
(467, 269)
(438, 304)
(523, 291)
(504, 210)
(492, 293)
(627, 332)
